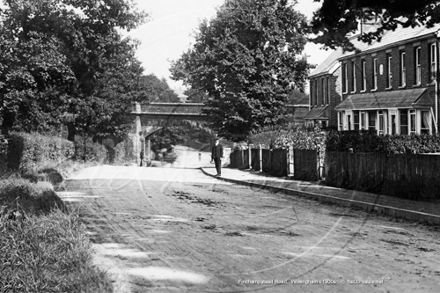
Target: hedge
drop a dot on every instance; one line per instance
(89, 151)
(3, 154)
(123, 151)
(298, 137)
(369, 141)
(27, 150)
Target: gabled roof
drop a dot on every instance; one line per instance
(328, 65)
(410, 98)
(393, 38)
(331, 63)
(317, 113)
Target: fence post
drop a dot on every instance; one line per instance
(270, 161)
(260, 150)
(318, 163)
(290, 163)
(293, 161)
(250, 157)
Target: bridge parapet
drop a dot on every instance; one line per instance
(186, 108)
(164, 108)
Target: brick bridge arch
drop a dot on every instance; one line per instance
(152, 117)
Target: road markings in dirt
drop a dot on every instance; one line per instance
(74, 196)
(248, 248)
(158, 231)
(309, 254)
(388, 227)
(168, 274)
(275, 198)
(169, 220)
(128, 253)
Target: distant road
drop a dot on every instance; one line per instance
(189, 158)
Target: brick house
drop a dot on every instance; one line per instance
(391, 86)
(325, 92)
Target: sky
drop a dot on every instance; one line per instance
(170, 32)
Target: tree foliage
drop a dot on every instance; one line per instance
(157, 90)
(246, 59)
(64, 62)
(170, 136)
(337, 19)
(195, 96)
(166, 138)
(297, 97)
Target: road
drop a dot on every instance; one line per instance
(176, 230)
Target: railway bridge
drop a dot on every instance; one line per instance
(152, 117)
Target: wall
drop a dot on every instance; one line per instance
(381, 56)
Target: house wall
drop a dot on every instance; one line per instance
(334, 96)
(381, 56)
(382, 68)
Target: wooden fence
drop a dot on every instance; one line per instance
(306, 165)
(406, 176)
(255, 159)
(278, 162)
(239, 159)
(266, 161)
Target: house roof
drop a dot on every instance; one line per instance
(389, 38)
(411, 98)
(392, 38)
(331, 63)
(317, 113)
(328, 64)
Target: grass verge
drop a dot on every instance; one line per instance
(54, 172)
(43, 247)
(47, 253)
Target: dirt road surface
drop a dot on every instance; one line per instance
(176, 230)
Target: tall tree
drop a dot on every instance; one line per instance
(195, 96)
(158, 90)
(34, 77)
(116, 89)
(58, 53)
(337, 19)
(247, 59)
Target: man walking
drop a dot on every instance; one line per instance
(142, 156)
(217, 155)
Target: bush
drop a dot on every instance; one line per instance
(267, 136)
(32, 198)
(27, 150)
(3, 154)
(298, 137)
(124, 151)
(369, 141)
(88, 151)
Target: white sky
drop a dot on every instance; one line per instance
(170, 31)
